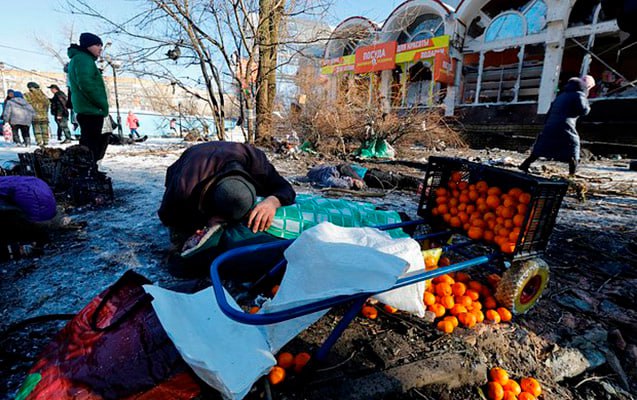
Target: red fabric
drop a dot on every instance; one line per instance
(120, 353)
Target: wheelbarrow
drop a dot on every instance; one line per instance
(521, 285)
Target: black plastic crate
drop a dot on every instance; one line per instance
(92, 190)
(48, 169)
(546, 198)
(28, 164)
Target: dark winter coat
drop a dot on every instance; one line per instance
(201, 163)
(18, 111)
(32, 195)
(559, 139)
(58, 105)
(88, 93)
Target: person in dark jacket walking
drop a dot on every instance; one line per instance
(88, 93)
(213, 185)
(559, 139)
(60, 113)
(19, 114)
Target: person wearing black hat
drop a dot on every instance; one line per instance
(88, 93)
(60, 113)
(217, 183)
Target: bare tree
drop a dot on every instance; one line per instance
(232, 45)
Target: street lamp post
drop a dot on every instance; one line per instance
(114, 65)
(179, 111)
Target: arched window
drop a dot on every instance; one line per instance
(535, 16)
(505, 26)
(350, 47)
(424, 26)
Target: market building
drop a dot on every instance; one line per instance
(495, 64)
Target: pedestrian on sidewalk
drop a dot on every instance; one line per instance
(19, 114)
(88, 93)
(60, 113)
(559, 139)
(40, 104)
(133, 124)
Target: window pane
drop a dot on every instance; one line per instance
(536, 16)
(505, 26)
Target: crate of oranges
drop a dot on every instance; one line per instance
(513, 211)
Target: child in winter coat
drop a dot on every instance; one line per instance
(19, 114)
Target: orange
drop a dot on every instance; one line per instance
(513, 192)
(475, 232)
(429, 298)
(462, 185)
(518, 220)
(493, 280)
(390, 309)
(473, 295)
(285, 360)
(489, 302)
(522, 209)
(488, 235)
(464, 300)
(458, 309)
(462, 277)
(493, 316)
(447, 302)
(276, 375)
(369, 312)
(495, 391)
(458, 289)
(531, 385)
(444, 261)
(479, 315)
(524, 198)
(505, 315)
(452, 319)
(493, 201)
(494, 190)
(274, 290)
(446, 278)
(456, 176)
(509, 396)
(508, 212)
(445, 326)
(443, 289)
(475, 285)
(476, 305)
(441, 200)
(441, 191)
(499, 375)
(526, 396)
(508, 201)
(254, 310)
(437, 309)
(507, 247)
(482, 186)
(469, 319)
(512, 386)
(300, 361)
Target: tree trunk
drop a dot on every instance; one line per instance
(271, 12)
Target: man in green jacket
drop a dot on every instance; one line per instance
(88, 93)
(40, 104)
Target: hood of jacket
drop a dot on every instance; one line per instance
(20, 101)
(75, 50)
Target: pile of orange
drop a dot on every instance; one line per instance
(285, 362)
(456, 300)
(484, 212)
(503, 387)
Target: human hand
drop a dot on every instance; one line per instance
(262, 214)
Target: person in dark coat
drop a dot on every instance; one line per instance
(60, 113)
(215, 185)
(559, 139)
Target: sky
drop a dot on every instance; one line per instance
(29, 26)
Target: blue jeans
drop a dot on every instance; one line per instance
(133, 131)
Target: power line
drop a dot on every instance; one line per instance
(34, 73)
(24, 50)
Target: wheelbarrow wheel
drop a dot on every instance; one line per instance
(522, 285)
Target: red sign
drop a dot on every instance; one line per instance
(377, 57)
(443, 69)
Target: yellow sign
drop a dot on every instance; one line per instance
(428, 49)
(340, 64)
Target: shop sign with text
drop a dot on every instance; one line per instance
(422, 49)
(443, 69)
(338, 64)
(377, 57)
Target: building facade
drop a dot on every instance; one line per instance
(497, 64)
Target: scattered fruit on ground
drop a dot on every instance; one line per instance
(285, 360)
(369, 312)
(300, 361)
(276, 375)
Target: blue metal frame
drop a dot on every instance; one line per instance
(357, 300)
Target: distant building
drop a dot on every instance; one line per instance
(134, 93)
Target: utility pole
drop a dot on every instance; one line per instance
(179, 111)
(4, 80)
